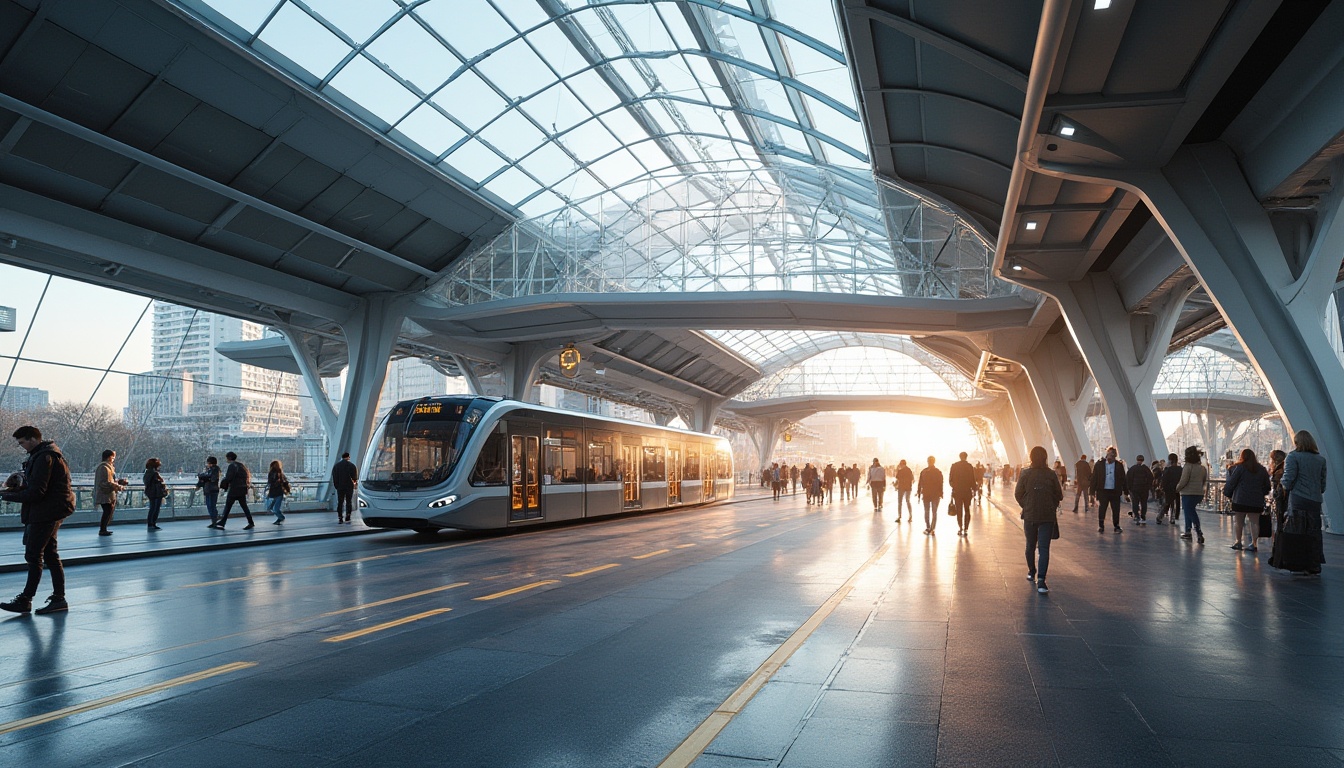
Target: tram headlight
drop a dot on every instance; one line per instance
(362, 503)
(440, 503)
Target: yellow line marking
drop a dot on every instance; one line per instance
(344, 562)
(695, 744)
(651, 554)
(594, 570)
(235, 578)
(29, 722)
(683, 546)
(377, 603)
(516, 590)
(762, 525)
(384, 625)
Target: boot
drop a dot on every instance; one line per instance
(55, 604)
(20, 604)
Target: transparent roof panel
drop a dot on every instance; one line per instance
(863, 370)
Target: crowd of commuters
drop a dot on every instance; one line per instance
(44, 490)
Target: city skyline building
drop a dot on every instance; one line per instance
(23, 398)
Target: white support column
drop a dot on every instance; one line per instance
(308, 368)
(1063, 386)
(1203, 200)
(765, 433)
(1031, 420)
(706, 412)
(521, 367)
(1010, 431)
(474, 384)
(1125, 352)
(370, 335)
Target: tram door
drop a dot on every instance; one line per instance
(674, 475)
(707, 473)
(525, 473)
(632, 471)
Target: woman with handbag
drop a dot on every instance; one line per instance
(1191, 488)
(1247, 486)
(1039, 493)
(277, 487)
(1298, 547)
(155, 491)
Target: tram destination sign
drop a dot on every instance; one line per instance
(8, 320)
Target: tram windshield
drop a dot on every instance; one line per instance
(419, 444)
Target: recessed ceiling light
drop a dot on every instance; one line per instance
(1066, 130)
(1101, 5)
(1031, 225)
(1017, 267)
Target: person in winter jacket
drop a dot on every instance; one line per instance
(1139, 478)
(1247, 485)
(1039, 493)
(43, 490)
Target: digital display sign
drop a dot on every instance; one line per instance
(8, 319)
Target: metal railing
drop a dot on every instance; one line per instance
(182, 502)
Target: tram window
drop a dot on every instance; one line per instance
(692, 467)
(601, 458)
(724, 466)
(489, 469)
(655, 470)
(560, 455)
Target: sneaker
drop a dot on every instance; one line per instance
(20, 604)
(1117, 529)
(104, 533)
(1201, 538)
(1185, 536)
(55, 604)
(1252, 548)
(216, 526)
(1237, 545)
(1041, 587)
(155, 528)
(277, 522)
(249, 525)
(1101, 529)
(1031, 577)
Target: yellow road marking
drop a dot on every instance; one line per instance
(683, 546)
(344, 562)
(29, 722)
(235, 578)
(384, 625)
(595, 570)
(695, 744)
(762, 525)
(516, 590)
(377, 603)
(651, 554)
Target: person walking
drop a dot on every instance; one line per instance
(930, 490)
(156, 490)
(277, 488)
(345, 479)
(237, 483)
(46, 498)
(1139, 480)
(989, 478)
(774, 480)
(1082, 483)
(794, 472)
(208, 481)
(877, 483)
(828, 476)
(106, 486)
(1299, 547)
(1169, 480)
(1039, 493)
(1108, 485)
(1194, 481)
(962, 480)
(1247, 485)
(905, 482)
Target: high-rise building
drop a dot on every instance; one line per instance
(411, 377)
(241, 400)
(23, 398)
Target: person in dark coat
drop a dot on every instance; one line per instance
(1082, 483)
(43, 489)
(1139, 480)
(1108, 485)
(237, 483)
(961, 478)
(1247, 485)
(1298, 547)
(208, 481)
(277, 488)
(1171, 500)
(905, 482)
(344, 479)
(156, 490)
(930, 490)
(1039, 492)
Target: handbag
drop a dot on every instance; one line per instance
(1266, 526)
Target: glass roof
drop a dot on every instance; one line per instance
(543, 103)
(860, 371)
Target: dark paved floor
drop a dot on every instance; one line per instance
(1148, 651)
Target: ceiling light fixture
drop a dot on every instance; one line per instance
(1101, 5)
(1031, 225)
(1066, 129)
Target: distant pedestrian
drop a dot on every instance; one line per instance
(237, 484)
(1299, 547)
(905, 482)
(43, 490)
(794, 472)
(208, 481)
(1139, 480)
(1082, 483)
(961, 478)
(1191, 488)
(277, 488)
(930, 491)
(877, 483)
(828, 476)
(106, 487)
(1108, 484)
(1248, 484)
(1171, 499)
(156, 490)
(344, 480)
(1276, 462)
(1039, 492)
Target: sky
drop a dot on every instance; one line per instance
(77, 323)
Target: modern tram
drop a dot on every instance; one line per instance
(479, 463)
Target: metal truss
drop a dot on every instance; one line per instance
(863, 371)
